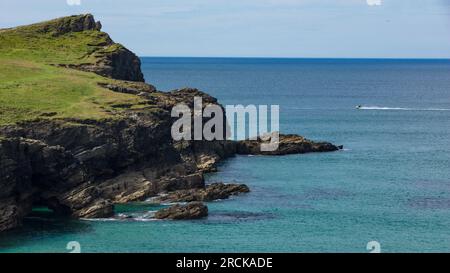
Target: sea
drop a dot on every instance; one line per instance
(388, 187)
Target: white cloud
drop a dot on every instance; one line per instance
(374, 2)
(73, 2)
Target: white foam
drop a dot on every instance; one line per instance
(145, 219)
(100, 219)
(173, 203)
(401, 108)
(125, 217)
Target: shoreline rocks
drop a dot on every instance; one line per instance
(192, 210)
(287, 144)
(195, 208)
(81, 168)
(212, 192)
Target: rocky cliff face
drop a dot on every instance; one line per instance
(76, 23)
(116, 62)
(110, 59)
(80, 168)
(33, 172)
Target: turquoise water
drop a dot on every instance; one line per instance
(390, 184)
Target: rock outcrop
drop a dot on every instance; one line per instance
(32, 172)
(61, 26)
(192, 210)
(115, 61)
(287, 144)
(104, 57)
(212, 192)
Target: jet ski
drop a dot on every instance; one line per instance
(359, 107)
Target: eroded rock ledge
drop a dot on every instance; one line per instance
(109, 59)
(195, 209)
(287, 144)
(192, 210)
(212, 192)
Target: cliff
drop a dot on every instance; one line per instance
(79, 142)
(75, 42)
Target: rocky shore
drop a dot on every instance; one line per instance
(193, 210)
(287, 144)
(212, 192)
(81, 167)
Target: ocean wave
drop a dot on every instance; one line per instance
(137, 219)
(401, 108)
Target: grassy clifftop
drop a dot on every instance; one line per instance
(35, 81)
(67, 40)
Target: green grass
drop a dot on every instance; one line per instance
(32, 88)
(70, 48)
(42, 42)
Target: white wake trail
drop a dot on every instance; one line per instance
(400, 108)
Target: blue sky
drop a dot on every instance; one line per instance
(259, 28)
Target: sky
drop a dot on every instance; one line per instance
(259, 28)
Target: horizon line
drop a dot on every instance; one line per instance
(304, 58)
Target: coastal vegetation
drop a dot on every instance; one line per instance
(34, 82)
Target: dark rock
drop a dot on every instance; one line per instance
(34, 172)
(211, 192)
(223, 191)
(120, 63)
(115, 62)
(75, 23)
(98, 26)
(11, 215)
(111, 59)
(80, 167)
(134, 88)
(192, 210)
(287, 144)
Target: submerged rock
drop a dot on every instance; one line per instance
(192, 210)
(287, 144)
(211, 192)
